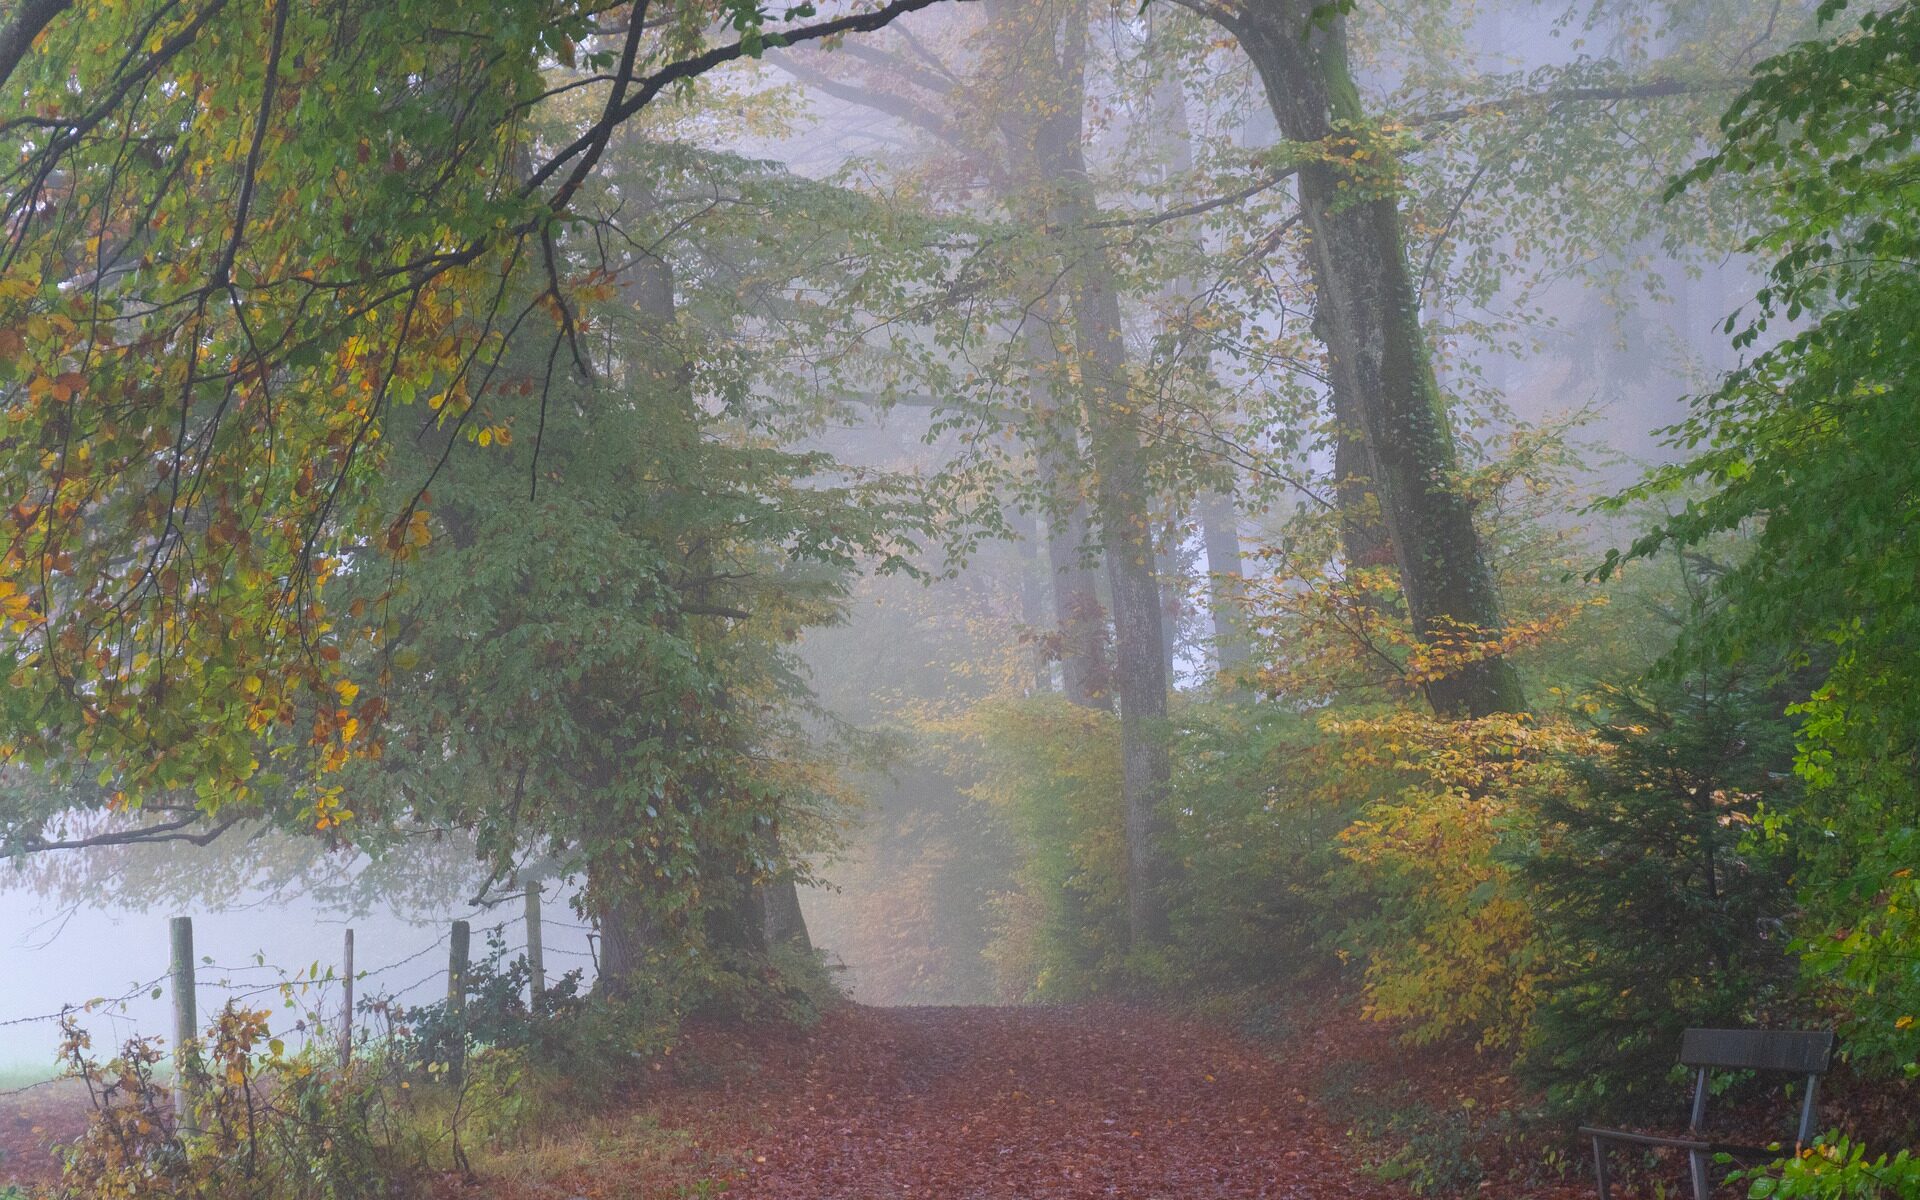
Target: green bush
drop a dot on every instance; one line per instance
(1257, 888)
(1263, 887)
(1661, 908)
(1834, 1168)
(591, 1047)
(552, 1031)
(1432, 1153)
(1049, 772)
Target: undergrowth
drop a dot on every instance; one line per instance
(423, 1092)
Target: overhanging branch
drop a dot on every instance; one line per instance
(179, 829)
(1652, 89)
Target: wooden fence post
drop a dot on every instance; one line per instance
(536, 950)
(186, 1022)
(459, 945)
(346, 1000)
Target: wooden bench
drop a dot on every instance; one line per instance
(1797, 1052)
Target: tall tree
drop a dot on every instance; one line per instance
(1368, 312)
(1028, 92)
(1215, 506)
(1040, 54)
(913, 85)
(236, 240)
(1811, 442)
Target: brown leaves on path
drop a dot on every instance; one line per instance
(978, 1103)
(33, 1123)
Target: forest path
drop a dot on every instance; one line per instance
(1002, 1103)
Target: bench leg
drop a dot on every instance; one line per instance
(1600, 1169)
(1702, 1189)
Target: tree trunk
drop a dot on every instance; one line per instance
(1146, 767)
(1120, 495)
(1371, 320)
(1172, 583)
(732, 922)
(1026, 531)
(1081, 621)
(783, 921)
(626, 933)
(1214, 507)
(1220, 531)
(1031, 95)
(736, 922)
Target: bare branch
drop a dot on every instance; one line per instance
(175, 830)
(1652, 89)
(1148, 221)
(892, 104)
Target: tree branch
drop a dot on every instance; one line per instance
(28, 21)
(1148, 221)
(896, 106)
(912, 72)
(718, 56)
(1652, 89)
(164, 831)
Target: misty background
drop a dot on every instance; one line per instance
(906, 906)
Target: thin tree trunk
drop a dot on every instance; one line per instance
(1219, 528)
(1033, 601)
(1146, 768)
(1172, 583)
(1120, 495)
(1371, 320)
(1220, 531)
(1080, 619)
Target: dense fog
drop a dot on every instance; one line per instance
(1308, 533)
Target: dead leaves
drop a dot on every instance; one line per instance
(1041, 1103)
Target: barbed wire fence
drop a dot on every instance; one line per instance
(186, 977)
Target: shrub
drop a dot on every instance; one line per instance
(551, 1031)
(1451, 945)
(1661, 909)
(1251, 831)
(1833, 1168)
(266, 1124)
(1255, 834)
(424, 1085)
(1050, 772)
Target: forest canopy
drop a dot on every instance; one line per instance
(1051, 500)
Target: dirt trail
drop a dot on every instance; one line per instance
(34, 1121)
(1061, 1103)
(948, 1103)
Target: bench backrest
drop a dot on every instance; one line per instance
(1798, 1051)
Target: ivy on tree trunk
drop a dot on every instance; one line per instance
(1369, 318)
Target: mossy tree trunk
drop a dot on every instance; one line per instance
(1369, 316)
